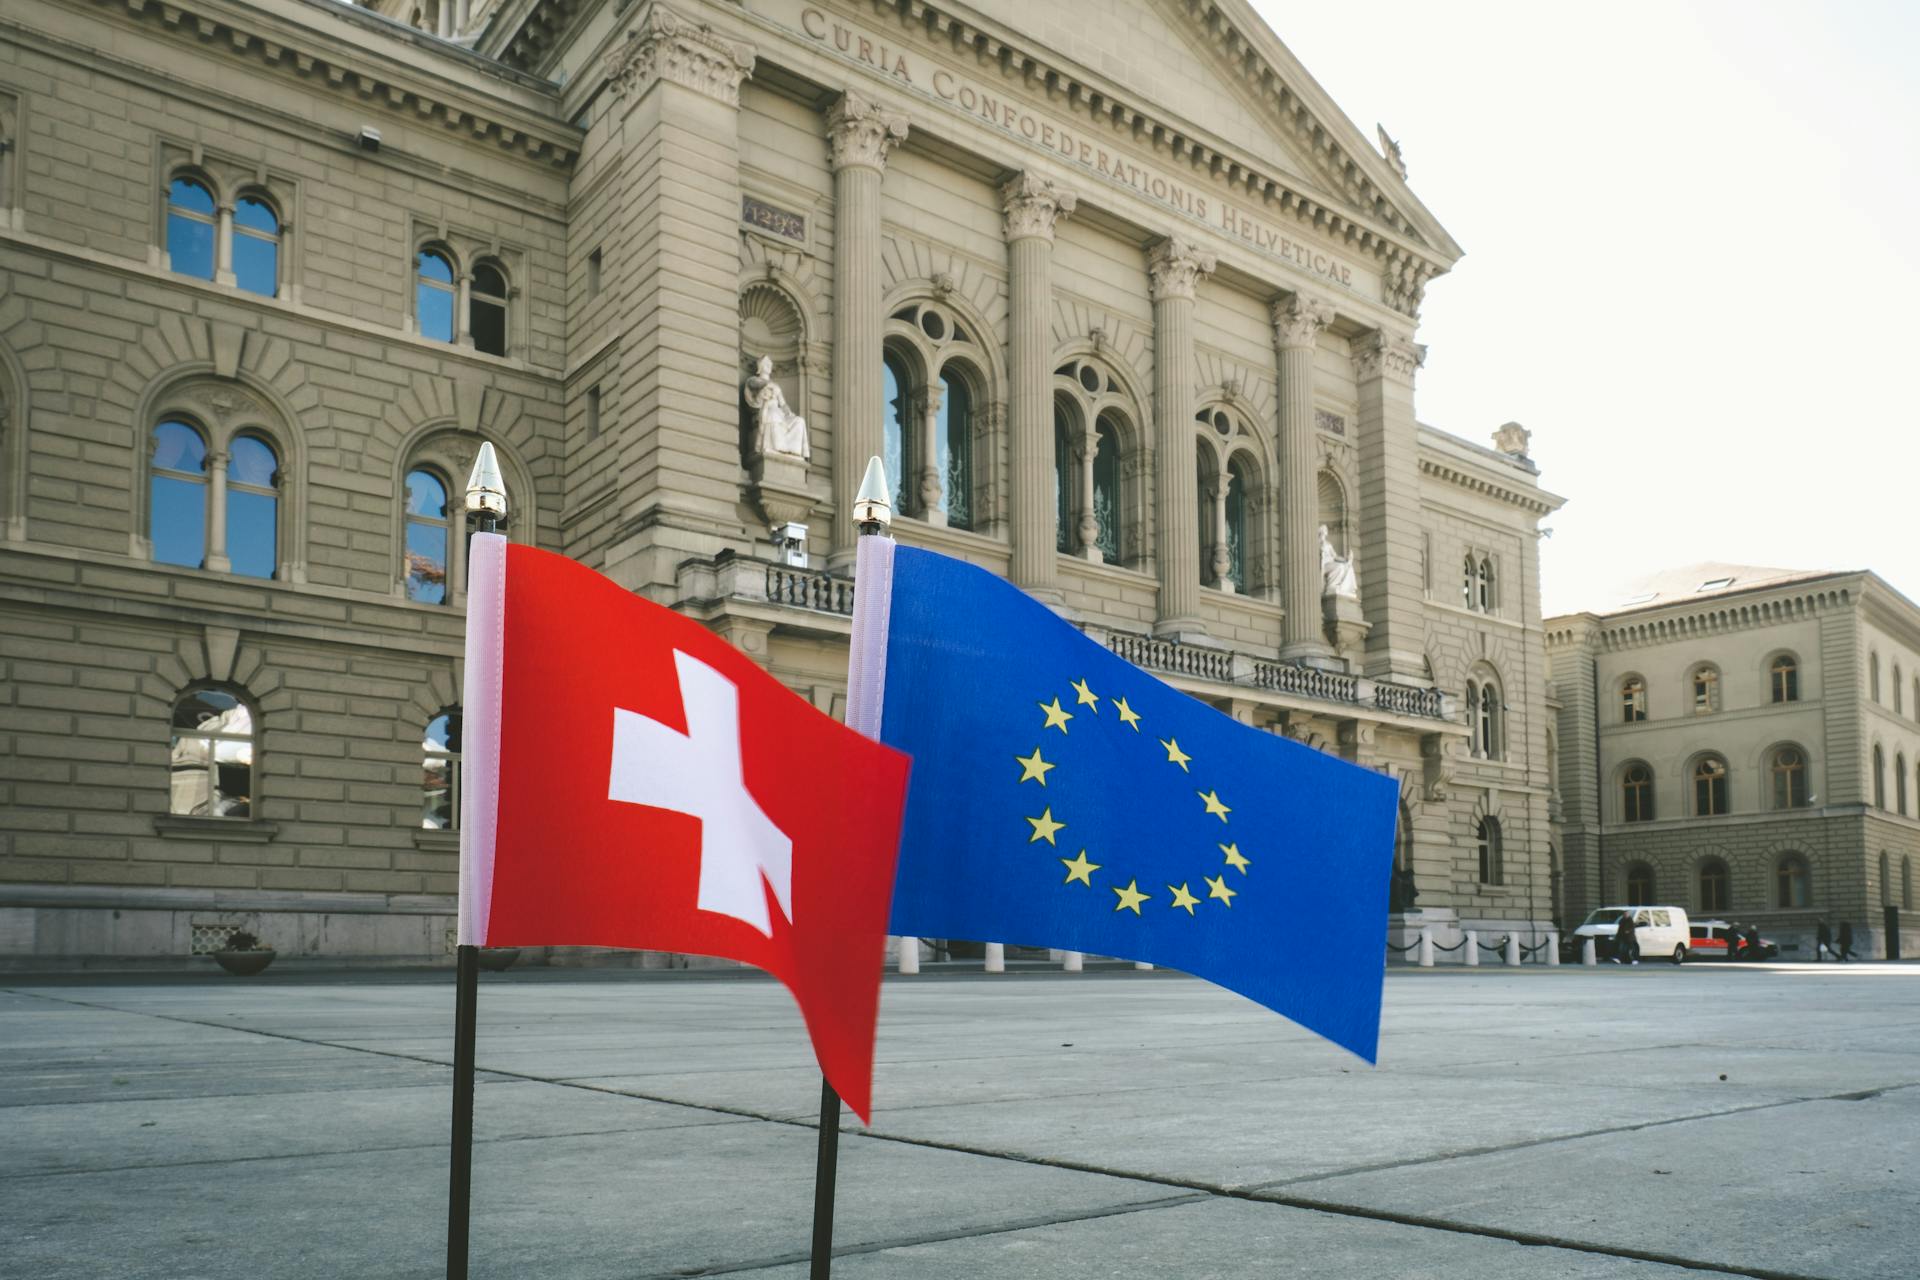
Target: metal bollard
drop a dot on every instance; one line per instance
(1070, 961)
(1513, 950)
(1587, 957)
(1472, 949)
(1426, 948)
(1553, 947)
(909, 955)
(996, 957)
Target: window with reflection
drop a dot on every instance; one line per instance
(177, 499)
(1487, 835)
(212, 756)
(1791, 887)
(896, 427)
(253, 508)
(1879, 778)
(1063, 497)
(256, 246)
(440, 772)
(1633, 700)
(1706, 690)
(1239, 478)
(192, 227)
(1789, 772)
(1639, 885)
(1469, 574)
(1784, 678)
(1636, 787)
(953, 438)
(1485, 584)
(1106, 489)
(1713, 879)
(428, 537)
(487, 309)
(1710, 787)
(433, 295)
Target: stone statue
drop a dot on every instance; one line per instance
(782, 431)
(1336, 572)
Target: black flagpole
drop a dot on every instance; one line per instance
(826, 1168)
(486, 500)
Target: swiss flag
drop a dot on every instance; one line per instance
(632, 780)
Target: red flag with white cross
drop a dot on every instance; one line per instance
(632, 780)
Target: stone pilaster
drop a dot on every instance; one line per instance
(859, 136)
(1389, 551)
(1031, 205)
(217, 558)
(1174, 270)
(671, 254)
(1297, 322)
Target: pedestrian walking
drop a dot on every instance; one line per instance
(1822, 941)
(1846, 941)
(1626, 941)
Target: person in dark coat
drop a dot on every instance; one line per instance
(1846, 941)
(1626, 942)
(1822, 942)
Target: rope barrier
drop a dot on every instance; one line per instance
(1404, 950)
(1497, 946)
(1455, 947)
(1533, 950)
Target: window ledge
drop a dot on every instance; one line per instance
(233, 830)
(440, 841)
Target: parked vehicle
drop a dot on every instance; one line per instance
(1719, 940)
(1660, 931)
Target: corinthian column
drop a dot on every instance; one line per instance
(859, 135)
(1389, 554)
(1297, 322)
(1031, 205)
(1174, 269)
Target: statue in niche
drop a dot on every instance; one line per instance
(782, 431)
(1336, 571)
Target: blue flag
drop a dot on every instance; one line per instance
(1062, 797)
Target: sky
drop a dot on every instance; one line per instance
(1689, 268)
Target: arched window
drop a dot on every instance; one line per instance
(1469, 575)
(433, 295)
(1788, 769)
(1791, 888)
(896, 427)
(487, 308)
(1487, 834)
(1063, 496)
(440, 772)
(177, 508)
(1886, 879)
(1239, 482)
(1639, 885)
(1873, 675)
(1705, 686)
(211, 757)
(1898, 709)
(1713, 895)
(1709, 787)
(1906, 882)
(1633, 700)
(1106, 489)
(429, 535)
(1488, 731)
(192, 227)
(1784, 677)
(1636, 793)
(1900, 782)
(1879, 778)
(1486, 586)
(953, 442)
(253, 508)
(256, 246)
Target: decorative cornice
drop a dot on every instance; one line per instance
(1031, 205)
(1380, 353)
(664, 45)
(861, 132)
(1175, 267)
(1298, 320)
(1535, 503)
(1727, 616)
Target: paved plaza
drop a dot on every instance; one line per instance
(1540, 1123)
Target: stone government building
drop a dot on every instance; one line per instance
(1126, 302)
(1745, 742)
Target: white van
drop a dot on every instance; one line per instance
(1660, 931)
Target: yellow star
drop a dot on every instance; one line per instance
(1086, 697)
(1033, 768)
(1128, 716)
(1217, 888)
(1130, 897)
(1181, 898)
(1079, 869)
(1056, 718)
(1175, 755)
(1044, 826)
(1214, 806)
(1235, 858)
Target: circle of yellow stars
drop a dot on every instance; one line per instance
(1034, 767)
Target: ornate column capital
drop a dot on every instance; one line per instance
(664, 45)
(1174, 268)
(1032, 204)
(1379, 353)
(1298, 320)
(860, 132)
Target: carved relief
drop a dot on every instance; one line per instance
(1032, 204)
(666, 46)
(860, 132)
(1380, 353)
(1298, 320)
(1175, 267)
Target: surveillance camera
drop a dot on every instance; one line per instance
(369, 138)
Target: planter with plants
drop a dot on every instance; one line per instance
(244, 955)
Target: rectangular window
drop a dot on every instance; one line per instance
(593, 412)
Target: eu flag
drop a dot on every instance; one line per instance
(1062, 797)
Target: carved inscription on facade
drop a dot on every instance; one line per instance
(757, 213)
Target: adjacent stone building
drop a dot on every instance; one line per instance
(1125, 301)
(1744, 742)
